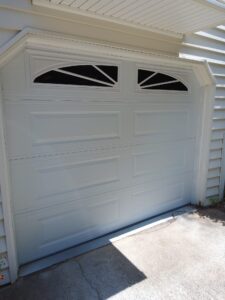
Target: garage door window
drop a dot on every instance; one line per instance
(150, 80)
(81, 75)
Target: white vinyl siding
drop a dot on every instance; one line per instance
(210, 45)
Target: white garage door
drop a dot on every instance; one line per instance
(94, 147)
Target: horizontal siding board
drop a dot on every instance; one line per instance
(220, 103)
(210, 44)
(218, 124)
(214, 173)
(214, 163)
(212, 192)
(213, 182)
(219, 114)
(217, 134)
(220, 79)
(214, 33)
(215, 154)
(205, 41)
(207, 53)
(216, 144)
(217, 69)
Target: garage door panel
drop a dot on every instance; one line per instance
(58, 179)
(86, 160)
(155, 196)
(66, 225)
(51, 180)
(160, 124)
(161, 160)
(61, 128)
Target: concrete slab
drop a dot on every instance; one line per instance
(183, 258)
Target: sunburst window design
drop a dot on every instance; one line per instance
(150, 80)
(81, 75)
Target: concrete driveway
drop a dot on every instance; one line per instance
(183, 258)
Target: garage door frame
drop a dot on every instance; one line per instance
(51, 41)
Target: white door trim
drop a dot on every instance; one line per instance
(36, 39)
(6, 200)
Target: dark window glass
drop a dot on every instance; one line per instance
(54, 77)
(104, 74)
(157, 79)
(111, 71)
(88, 71)
(143, 74)
(175, 86)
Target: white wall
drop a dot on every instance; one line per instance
(210, 45)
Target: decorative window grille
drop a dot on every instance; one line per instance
(81, 75)
(150, 80)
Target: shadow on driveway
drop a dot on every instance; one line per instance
(99, 274)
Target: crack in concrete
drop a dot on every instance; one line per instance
(88, 281)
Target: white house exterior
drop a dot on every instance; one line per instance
(209, 45)
(102, 124)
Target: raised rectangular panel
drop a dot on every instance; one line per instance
(160, 123)
(108, 209)
(149, 198)
(77, 222)
(66, 177)
(62, 127)
(39, 128)
(55, 228)
(162, 160)
(59, 179)
(63, 226)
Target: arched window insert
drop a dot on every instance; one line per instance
(150, 80)
(82, 75)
